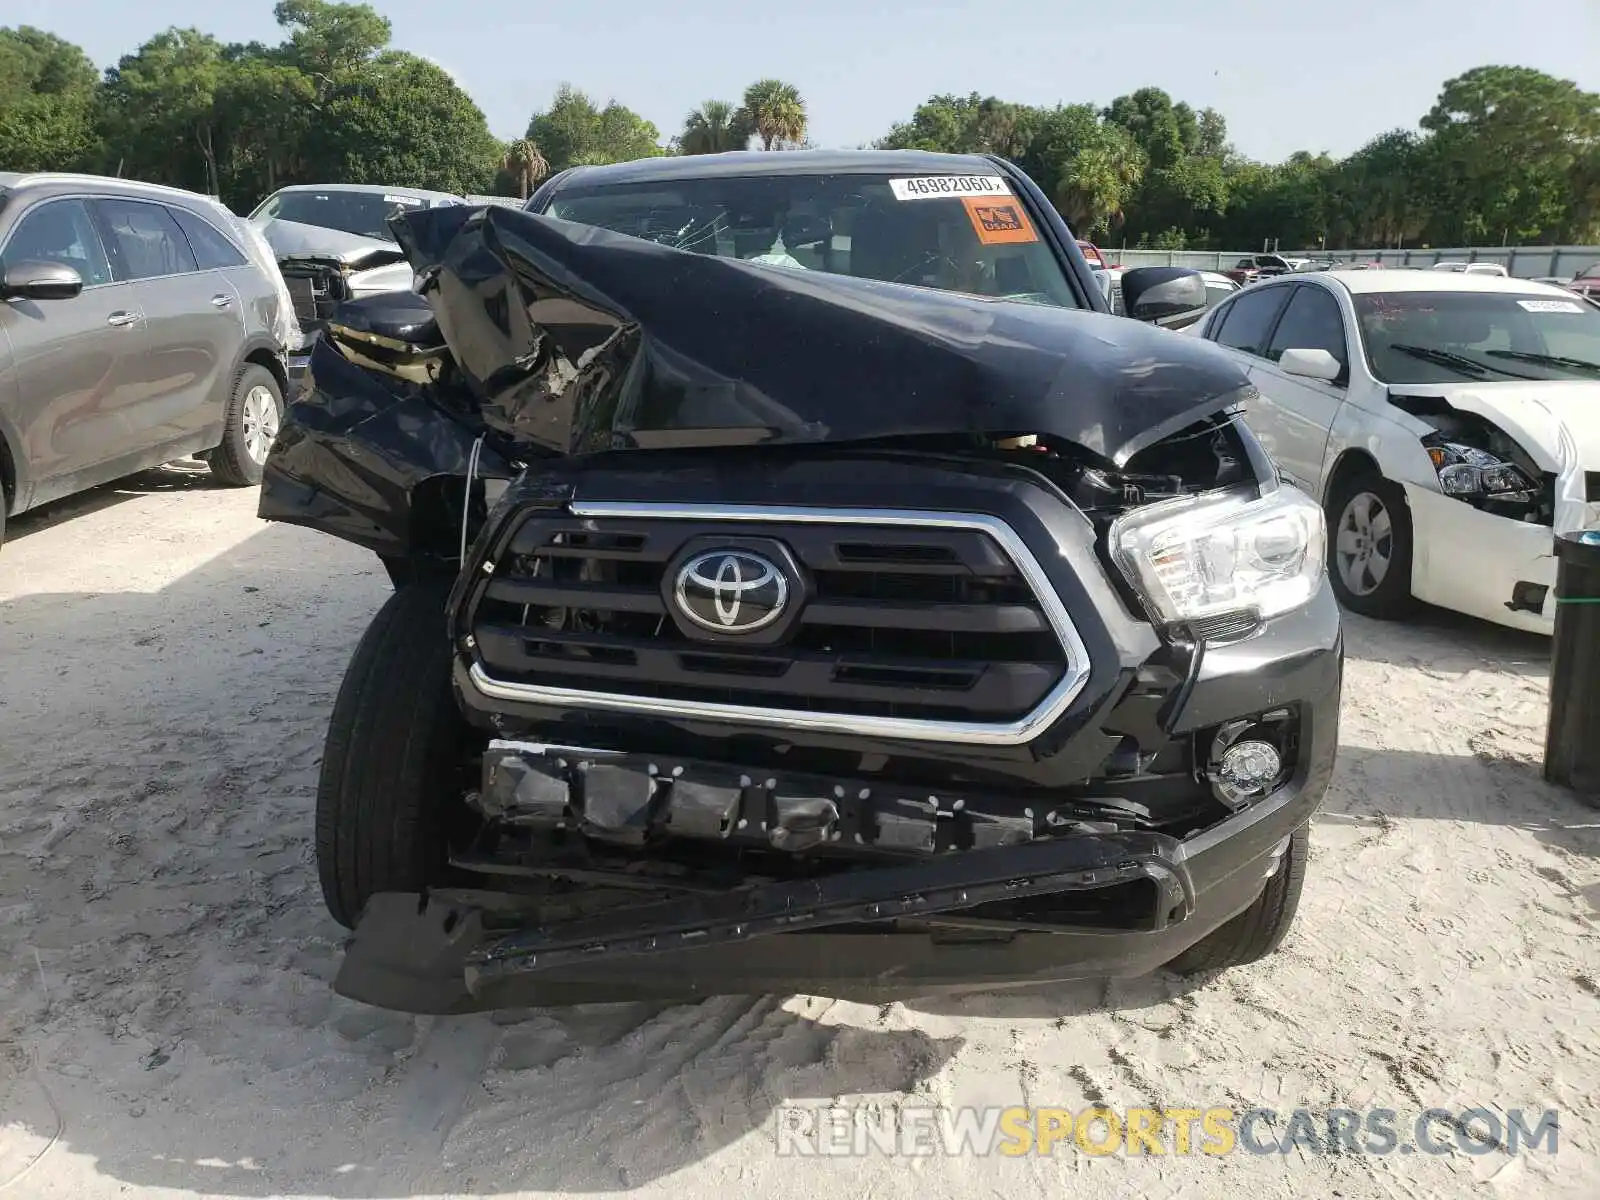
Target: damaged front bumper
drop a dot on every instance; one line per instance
(458, 951)
(1508, 578)
(966, 893)
(443, 953)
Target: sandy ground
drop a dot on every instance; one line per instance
(167, 663)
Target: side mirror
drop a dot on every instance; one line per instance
(1313, 364)
(34, 280)
(1163, 295)
(1102, 279)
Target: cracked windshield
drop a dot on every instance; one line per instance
(959, 234)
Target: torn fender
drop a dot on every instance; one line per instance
(355, 448)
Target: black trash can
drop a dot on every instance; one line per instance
(1572, 740)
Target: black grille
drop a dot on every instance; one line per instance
(928, 623)
(315, 290)
(1591, 484)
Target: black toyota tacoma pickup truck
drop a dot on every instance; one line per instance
(801, 583)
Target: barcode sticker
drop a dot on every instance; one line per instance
(936, 187)
(1551, 306)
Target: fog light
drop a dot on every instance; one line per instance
(1246, 771)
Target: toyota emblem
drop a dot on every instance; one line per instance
(731, 591)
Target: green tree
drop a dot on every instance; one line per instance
(47, 98)
(775, 112)
(159, 110)
(36, 63)
(1288, 202)
(1211, 134)
(1506, 141)
(266, 109)
(573, 132)
(1155, 124)
(1583, 218)
(970, 124)
(1088, 167)
(1381, 191)
(716, 126)
(328, 41)
(525, 164)
(403, 120)
(1184, 185)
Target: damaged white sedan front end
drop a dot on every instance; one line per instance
(333, 244)
(1449, 422)
(324, 267)
(1514, 466)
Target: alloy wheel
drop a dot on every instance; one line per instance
(260, 420)
(1364, 544)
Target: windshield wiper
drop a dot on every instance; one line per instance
(1548, 360)
(1457, 362)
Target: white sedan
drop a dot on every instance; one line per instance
(1448, 421)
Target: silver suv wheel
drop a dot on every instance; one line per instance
(260, 419)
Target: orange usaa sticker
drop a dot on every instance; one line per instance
(999, 220)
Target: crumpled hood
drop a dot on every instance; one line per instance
(291, 239)
(1533, 413)
(577, 339)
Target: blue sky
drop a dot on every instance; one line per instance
(1286, 74)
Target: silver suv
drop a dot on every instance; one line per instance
(138, 324)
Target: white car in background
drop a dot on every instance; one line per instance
(1449, 422)
(1473, 268)
(333, 243)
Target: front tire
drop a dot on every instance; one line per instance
(249, 427)
(1259, 929)
(390, 801)
(1369, 546)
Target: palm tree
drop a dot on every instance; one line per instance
(712, 128)
(524, 162)
(775, 112)
(1097, 183)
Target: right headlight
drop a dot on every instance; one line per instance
(1467, 473)
(1204, 556)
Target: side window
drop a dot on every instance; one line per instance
(1248, 319)
(60, 231)
(1214, 319)
(146, 242)
(211, 249)
(1311, 322)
